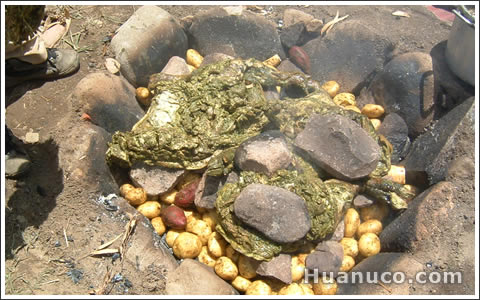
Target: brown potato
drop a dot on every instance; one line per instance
(216, 244)
(325, 286)
(150, 209)
(194, 58)
(345, 99)
(158, 225)
(169, 198)
(369, 244)
(135, 196)
(172, 235)
(241, 283)
(352, 221)
(373, 226)
(247, 266)
(373, 110)
(187, 245)
(225, 268)
(201, 229)
(377, 211)
(298, 269)
(347, 263)
(350, 246)
(332, 88)
(206, 258)
(258, 287)
(232, 253)
(174, 217)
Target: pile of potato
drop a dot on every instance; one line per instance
(190, 232)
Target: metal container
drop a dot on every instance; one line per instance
(460, 52)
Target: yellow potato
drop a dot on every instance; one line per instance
(191, 68)
(187, 245)
(216, 244)
(136, 196)
(376, 123)
(347, 263)
(373, 226)
(211, 217)
(350, 246)
(150, 209)
(192, 217)
(325, 286)
(158, 225)
(396, 174)
(353, 107)
(298, 269)
(307, 288)
(292, 289)
(413, 189)
(143, 96)
(124, 188)
(187, 178)
(247, 266)
(273, 61)
(206, 258)
(369, 244)
(373, 110)
(241, 283)
(201, 229)
(172, 235)
(345, 99)
(232, 253)
(194, 58)
(332, 88)
(302, 257)
(225, 268)
(377, 211)
(351, 220)
(258, 287)
(169, 198)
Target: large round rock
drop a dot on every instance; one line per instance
(278, 213)
(236, 32)
(406, 87)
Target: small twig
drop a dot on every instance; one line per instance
(326, 28)
(65, 232)
(51, 281)
(128, 231)
(383, 286)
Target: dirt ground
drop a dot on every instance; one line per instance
(51, 221)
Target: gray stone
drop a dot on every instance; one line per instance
(212, 185)
(327, 257)
(349, 53)
(146, 41)
(264, 153)
(236, 32)
(194, 278)
(339, 232)
(339, 146)
(291, 35)
(287, 66)
(82, 154)
(214, 57)
(279, 267)
(363, 201)
(420, 226)
(32, 137)
(155, 180)
(314, 26)
(432, 151)
(406, 87)
(378, 265)
(278, 213)
(109, 100)
(176, 66)
(293, 16)
(461, 168)
(16, 165)
(395, 129)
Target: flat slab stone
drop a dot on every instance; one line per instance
(339, 146)
(279, 267)
(155, 180)
(278, 213)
